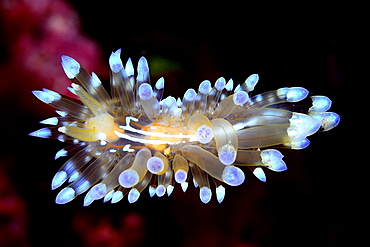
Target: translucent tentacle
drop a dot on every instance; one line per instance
(200, 103)
(62, 103)
(215, 94)
(180, 167)
(293, 94)
(137, 171)
(270, 135)
(120, 82)
(212, 165)
(202, 180)
(226, 140)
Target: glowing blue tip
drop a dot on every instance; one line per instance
(229, 85)
(98, 191)
(160, 83)
(59, 178)
(145, 91)
(133, 195)
(227, 154)
(160, 190)
(251, 82)
(205, 194)
(260, 174)
(296, 94)
(117, 196)
(47, 96)
(240, 98)
(42, 133)
(320, 104)
(220, 193)
(61, 153)
(108, 196)
(270, 156)
(233, 175)
(65, 195)
(278, 166)
(128, 178)
(155, 165)
(205, 87)
(142, 70)
(129, 68)
(190, 94)
(70, 66)
(115, 62)
(184, 186)
(50, 121)
(328, 119)
(220, 84)
(180, 176)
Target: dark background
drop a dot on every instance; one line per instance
(313, 203)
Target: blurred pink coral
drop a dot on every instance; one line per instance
(13, 215)
(100, 230)
(35, 34)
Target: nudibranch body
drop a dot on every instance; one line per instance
(132, 139)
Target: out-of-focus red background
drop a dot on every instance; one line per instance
(310, 204)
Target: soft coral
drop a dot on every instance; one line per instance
(35, 34)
